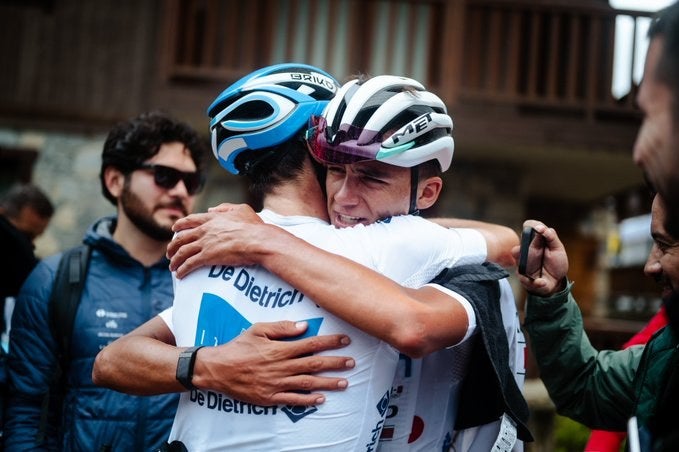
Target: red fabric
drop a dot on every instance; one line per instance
(601, 440)
(658, 321)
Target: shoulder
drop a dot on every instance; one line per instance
(427, 233)
(38, 287)
(406, 228)
(42, 277)
(662, 341)
(31, 307)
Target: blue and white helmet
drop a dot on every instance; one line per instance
(387, 118)
(266, 108)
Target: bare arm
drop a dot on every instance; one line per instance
(254, 367)
(499, 239)
(141, 362)
(416, 322)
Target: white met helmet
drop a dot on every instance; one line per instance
(387, 118)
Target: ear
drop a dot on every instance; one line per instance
(114, 180)
(428, 192)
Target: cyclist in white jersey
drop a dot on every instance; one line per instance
(422, 415)
(423, 405)
(195, 325)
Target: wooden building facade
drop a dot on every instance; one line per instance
(528, 83)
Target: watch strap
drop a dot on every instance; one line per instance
(185, 364)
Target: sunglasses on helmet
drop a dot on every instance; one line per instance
(349, 144)
(167, 177)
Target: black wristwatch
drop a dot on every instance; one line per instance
(187, 359)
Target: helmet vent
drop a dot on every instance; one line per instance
(255, 109)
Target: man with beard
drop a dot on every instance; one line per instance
(656, 150)
(605, 389)
(152, 168)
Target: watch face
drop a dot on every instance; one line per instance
(185, 363)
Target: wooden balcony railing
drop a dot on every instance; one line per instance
(218, 40)
(519, 52)
(553, 56)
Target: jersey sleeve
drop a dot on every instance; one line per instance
(166, 317)
(471, 316)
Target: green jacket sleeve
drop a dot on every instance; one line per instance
(595, 388)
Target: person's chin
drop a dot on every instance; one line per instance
(167, 216)
(165, 221)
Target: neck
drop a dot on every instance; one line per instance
(301, 196)
(139, 245)
(287, 201)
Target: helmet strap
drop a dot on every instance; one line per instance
(250, 166)
(414, 181)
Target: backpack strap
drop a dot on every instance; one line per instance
(63, 306)
(68, 288)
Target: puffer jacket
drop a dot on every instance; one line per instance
(119, 295)
(601, 389)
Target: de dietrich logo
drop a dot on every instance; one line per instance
(383, 404)
(219, 322)
(297, 412)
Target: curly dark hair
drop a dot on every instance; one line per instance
(130, 143)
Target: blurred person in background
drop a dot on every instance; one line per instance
(152, 168)
(608, 441)
(25, 212)
(636, 389)
(632, 389)
(656, 149)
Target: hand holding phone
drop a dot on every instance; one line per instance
(532, 253)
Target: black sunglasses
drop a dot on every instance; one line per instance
(167, 177)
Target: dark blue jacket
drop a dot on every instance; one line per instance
(119, 295)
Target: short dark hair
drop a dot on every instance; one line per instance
(666, 25)
(273, 166)
(26, 195)
(430, 168)
(130, 143)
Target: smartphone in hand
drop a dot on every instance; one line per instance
(532, 253)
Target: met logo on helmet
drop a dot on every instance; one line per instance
(315, 79)
(409, 131)
(417, 127)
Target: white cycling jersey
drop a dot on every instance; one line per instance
(424, 401)
(214, 304)
(484, 437)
